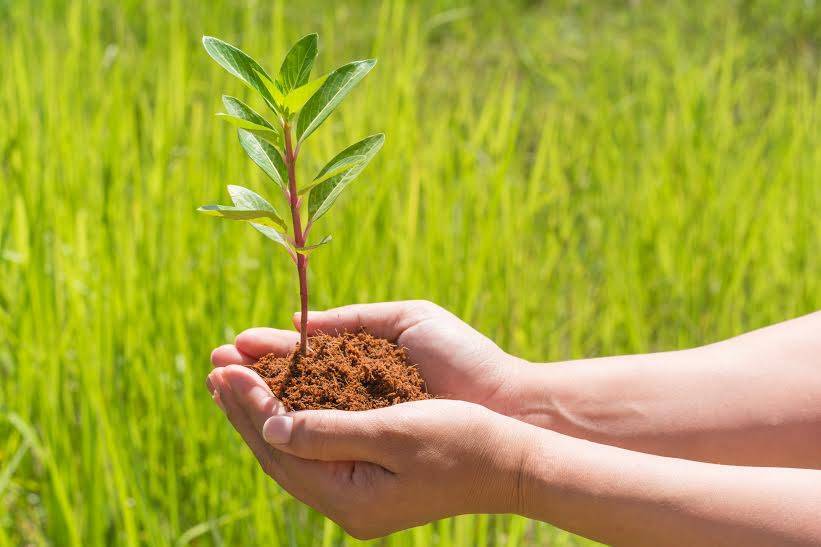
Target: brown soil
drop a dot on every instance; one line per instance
(353, 371)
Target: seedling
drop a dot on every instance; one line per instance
(299, 107)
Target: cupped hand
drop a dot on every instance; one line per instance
(456, 361)
(378, 471)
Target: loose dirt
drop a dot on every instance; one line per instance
(352, 371)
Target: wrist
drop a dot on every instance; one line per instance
(511, 448)
(531, 392)
(513, 375)
(538, 460)
(554, 476)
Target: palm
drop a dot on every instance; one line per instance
(456, 361)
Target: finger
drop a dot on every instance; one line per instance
(253, 394)
(249, 403)
(330, 435)
(239, 407)
(384, 319)
(260, 341)
(228, 354)
(224, 397)
(327, 435)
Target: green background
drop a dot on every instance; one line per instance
(573, 178)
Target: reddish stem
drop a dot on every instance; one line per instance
(299, 239)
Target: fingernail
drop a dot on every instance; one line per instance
(212, 384)
(218, 399)
(277, 429)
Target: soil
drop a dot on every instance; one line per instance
(352, 371)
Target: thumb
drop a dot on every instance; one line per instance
(328, 435)
(384, 319)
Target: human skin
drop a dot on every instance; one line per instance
(378, 471)
(751, 400)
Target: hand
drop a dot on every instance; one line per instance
(456, 361)
(378, 471)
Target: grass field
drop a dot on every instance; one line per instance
(572, 178)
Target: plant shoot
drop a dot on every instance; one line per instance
(298, 106)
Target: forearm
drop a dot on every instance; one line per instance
(623, 497)
(751, 400)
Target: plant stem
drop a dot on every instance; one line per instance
(299, 239)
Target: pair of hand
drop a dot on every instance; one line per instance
(378, 471)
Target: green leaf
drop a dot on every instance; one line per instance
(241, 65)
(297, 65)
(232, 59)
(297, 98)
(334, 167)
(261, 216)
(338, 84)
(265, 155)
(273, 89)
(243, 197)
(243, 116)
(358, 153)
(346, 165)
(248, 205)
(237, 108)
(270, 135)
(248, 199)
(308, 248)
(277, 236)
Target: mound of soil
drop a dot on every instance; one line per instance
(353, 371)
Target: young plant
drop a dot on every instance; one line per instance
(299, 106)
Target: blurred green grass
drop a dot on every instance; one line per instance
(573, 178)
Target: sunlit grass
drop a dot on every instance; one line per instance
(572, 180)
